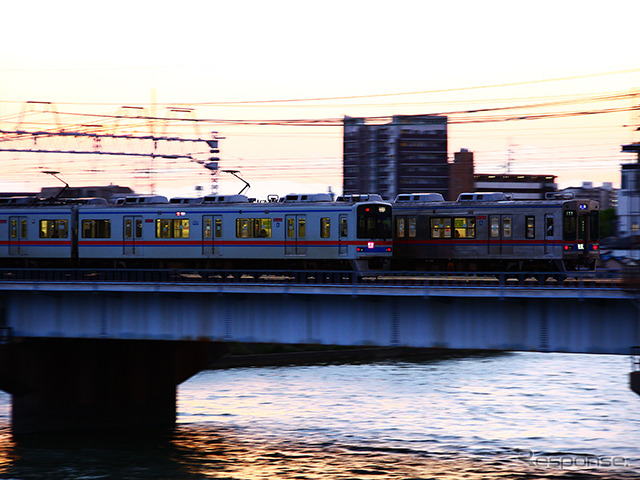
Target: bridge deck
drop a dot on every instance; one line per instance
(582, 314)
(603, 285)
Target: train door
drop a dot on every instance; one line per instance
(406, 231)
(400, 242)
(295, 235)
(500, 234)
(507, 234)
(17, 234)
(494, 242)
(583, 228)
(343, 236)
(211, 233)
(132, 234)
(548, 234)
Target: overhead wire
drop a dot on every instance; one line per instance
(352, 97)
(472, 116)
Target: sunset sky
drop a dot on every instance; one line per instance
(322, 60)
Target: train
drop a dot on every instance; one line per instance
(296, 231)
(491, 232)
(483, 232)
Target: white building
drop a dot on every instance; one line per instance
(629, 201)
(606, 195)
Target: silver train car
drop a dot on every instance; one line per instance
(294, 232)
(489, 232)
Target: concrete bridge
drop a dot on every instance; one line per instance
(106, 352)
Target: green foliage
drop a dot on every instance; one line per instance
(608, 222)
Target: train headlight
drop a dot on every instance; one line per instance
(371, 245)
(581, 246)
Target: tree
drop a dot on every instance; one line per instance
(608, 223)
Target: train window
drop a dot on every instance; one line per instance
(218, 227)
(344, 231)
(129, 224)
(96, 228)
(495, 227)
(506, 227)
(249, 227)
(180, 228)
(464, 227)
(139, 228)
(207, 229)
(412, 226)
(291, 228)
(549, 227)
(54, 228)
(302, 227)
(374, 221)
(263, 227)
(440, 227)
(400, 227)
(171, 228)
(325, 227)
(14, 229)
(530, 227)
(163, 229)
(244, 228)
(582, 227)
(569, 227)
(594, 233)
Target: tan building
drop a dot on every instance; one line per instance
(462, 179)
(461, 174)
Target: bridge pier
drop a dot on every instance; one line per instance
(634, 381)
(62, 384)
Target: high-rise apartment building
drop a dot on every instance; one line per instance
(408, 155)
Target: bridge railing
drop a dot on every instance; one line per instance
(603, 279)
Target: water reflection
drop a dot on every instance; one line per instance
(204, 451)
(89, 456)
(468, 418)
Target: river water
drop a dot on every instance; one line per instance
(506, 416)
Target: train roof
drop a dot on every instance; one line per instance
(484, 197)
(227, 199)
(142, 200)
(360, 197)
(186, 200)
(25, 201)
(307, 197)
(480, 199)
(86, 201)
(419, 197)
(17, 200)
